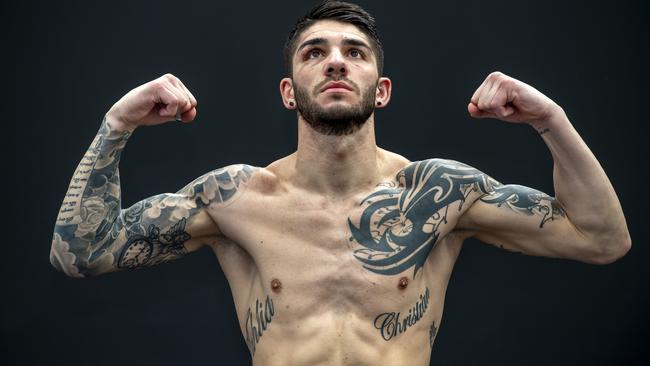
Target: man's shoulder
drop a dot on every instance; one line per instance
(432, 164)
(444, 176)
(248, 177)
(221, 185)
(233, 174)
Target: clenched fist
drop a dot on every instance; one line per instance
(156, 102)
(508, 99)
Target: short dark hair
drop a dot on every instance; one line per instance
(340, 11)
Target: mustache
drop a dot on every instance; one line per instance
(353, 85)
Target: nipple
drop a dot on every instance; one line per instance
(276, 285)
(403, 283)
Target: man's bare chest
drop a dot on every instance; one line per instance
(377, 241)
(391, 227)
(380, 259)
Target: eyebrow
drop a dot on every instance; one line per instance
(320, 41)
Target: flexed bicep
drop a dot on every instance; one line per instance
(169, 226)
(523, 219)
(155, 230)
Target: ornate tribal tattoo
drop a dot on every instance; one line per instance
(401, 223)
(263, 317)
(94, 235)
(390, 324)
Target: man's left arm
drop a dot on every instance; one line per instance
(584, 221)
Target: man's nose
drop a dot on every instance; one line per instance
(336, 65)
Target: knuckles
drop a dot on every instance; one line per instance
(500, 78)
(496, 75)
(490, 102)
(158, 85)
(169, 77)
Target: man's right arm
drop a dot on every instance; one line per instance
(93, 235)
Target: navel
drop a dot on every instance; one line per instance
(276, 285)
(403, 283)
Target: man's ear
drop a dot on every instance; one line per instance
(382, 94)
(286, 91)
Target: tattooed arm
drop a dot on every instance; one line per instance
(93, 235)
(583, 222)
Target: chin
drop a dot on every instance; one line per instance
(337, 108)
(337, 102)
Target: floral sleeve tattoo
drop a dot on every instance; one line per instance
(94, 235)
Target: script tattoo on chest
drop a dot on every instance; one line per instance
(390, 324)
(257, 321)
(401, 222)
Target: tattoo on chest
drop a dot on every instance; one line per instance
(257, 322)
(401, 222)
(391, 324)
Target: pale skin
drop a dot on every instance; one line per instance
(323, 248)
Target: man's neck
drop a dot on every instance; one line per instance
(336, 166)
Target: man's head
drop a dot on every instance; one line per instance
(334, 60)
(339, 11)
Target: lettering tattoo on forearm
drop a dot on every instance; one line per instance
(93, 234)
(257, 322)
(401, 222)
(390, 324)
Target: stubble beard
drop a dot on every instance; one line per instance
(338, 120)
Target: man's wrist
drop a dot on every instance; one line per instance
(556, 118)
(118, 125)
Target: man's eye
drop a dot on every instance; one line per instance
(355, 53)
(314, 53)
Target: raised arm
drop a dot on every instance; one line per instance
(584, 221)
(93, 235)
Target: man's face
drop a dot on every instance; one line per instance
(334, 77)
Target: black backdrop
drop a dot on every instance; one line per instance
(67, 62)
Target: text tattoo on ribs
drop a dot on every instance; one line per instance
(257, 322)
(401, 222)
(390, 324)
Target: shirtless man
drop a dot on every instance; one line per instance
(340, 253)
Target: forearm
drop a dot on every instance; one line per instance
(91, 203)
(582, 187)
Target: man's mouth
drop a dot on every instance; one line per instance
(336, 86)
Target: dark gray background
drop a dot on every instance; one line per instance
(66, 63)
